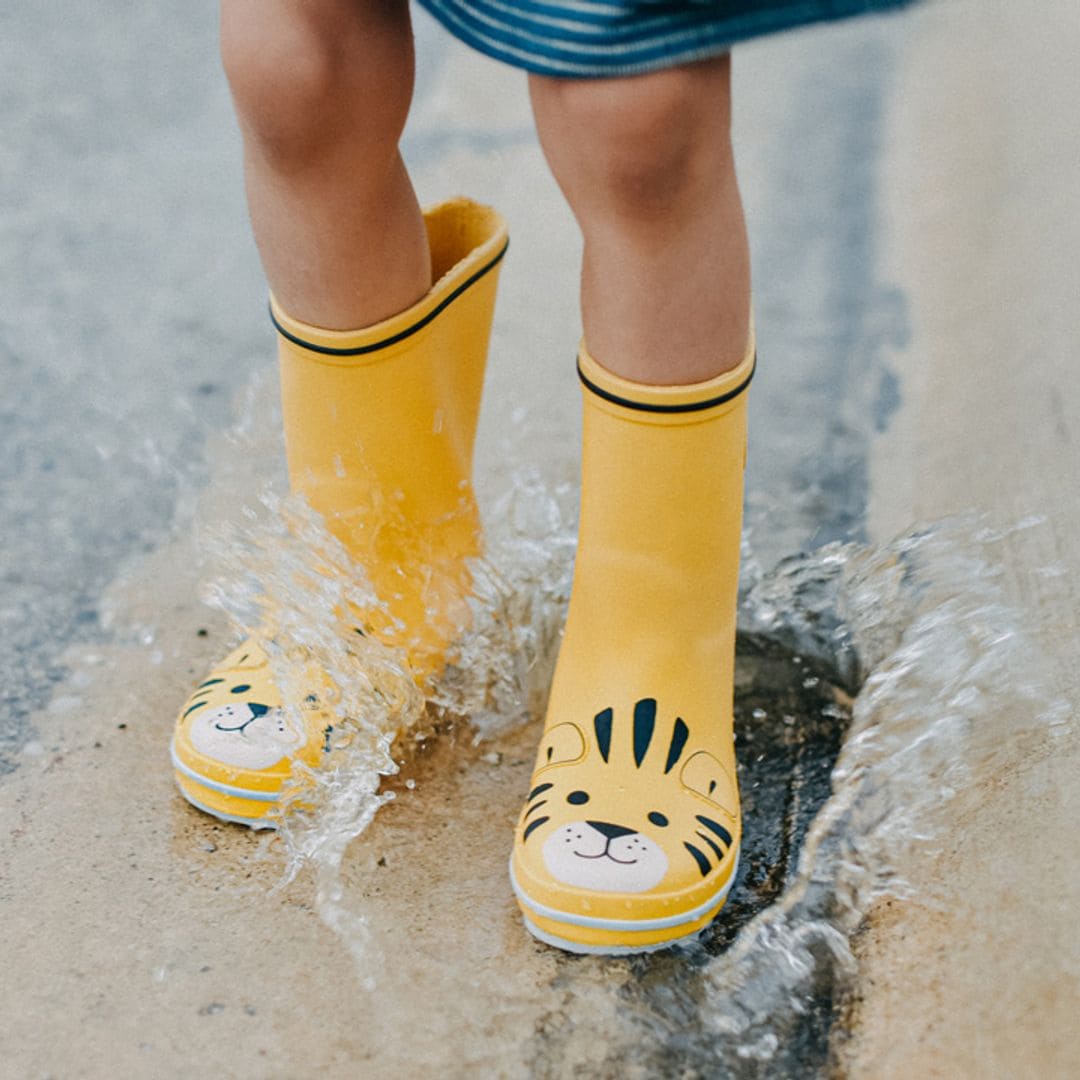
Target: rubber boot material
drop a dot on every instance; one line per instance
(380, 426)
(234, 746)
(379, 432)
(629, 836)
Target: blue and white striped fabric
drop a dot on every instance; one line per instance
(590, 38)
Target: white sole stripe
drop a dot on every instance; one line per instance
(214, 785)
(602, 950)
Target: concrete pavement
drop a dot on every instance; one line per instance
(981, 976)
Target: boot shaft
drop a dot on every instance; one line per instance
(662, 497)
(380, 422)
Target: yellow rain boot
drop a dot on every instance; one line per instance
(629, 838)
(379, 431)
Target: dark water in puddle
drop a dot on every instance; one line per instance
(791, 718)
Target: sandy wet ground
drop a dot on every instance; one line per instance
(980, 974)
(139, 937)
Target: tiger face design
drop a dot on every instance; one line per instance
(234, 719)
(629, 807)
(246, 734)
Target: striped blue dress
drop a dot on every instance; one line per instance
(591, 38)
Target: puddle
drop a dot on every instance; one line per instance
(875, 686)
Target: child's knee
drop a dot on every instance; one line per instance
(303, 76)
(639, 139)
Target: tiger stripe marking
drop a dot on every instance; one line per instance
(678, 744)
(716, 828)
(533, 827)
(644, 725)
(538, 790)
(712, 843)
(602, 722)
(532, 809)
(703, 863)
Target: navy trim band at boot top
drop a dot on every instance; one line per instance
(683, 407)
(596, 38)
(393, 339)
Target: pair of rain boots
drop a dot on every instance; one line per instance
(629, 837)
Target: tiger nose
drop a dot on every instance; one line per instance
(612, 832)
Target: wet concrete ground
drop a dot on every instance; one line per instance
(980, 975)
(139, 938)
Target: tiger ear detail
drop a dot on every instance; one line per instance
(563, 744)
(707, 778)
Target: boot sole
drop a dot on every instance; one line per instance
(617, 937)
(238, 806)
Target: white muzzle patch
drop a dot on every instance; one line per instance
(240, 736)
(604, 858)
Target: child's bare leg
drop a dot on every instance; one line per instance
(646, 165)
(322, 89)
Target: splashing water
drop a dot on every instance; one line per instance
(279, 554)
(950, 692)
(896, 679)
(283, 577)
